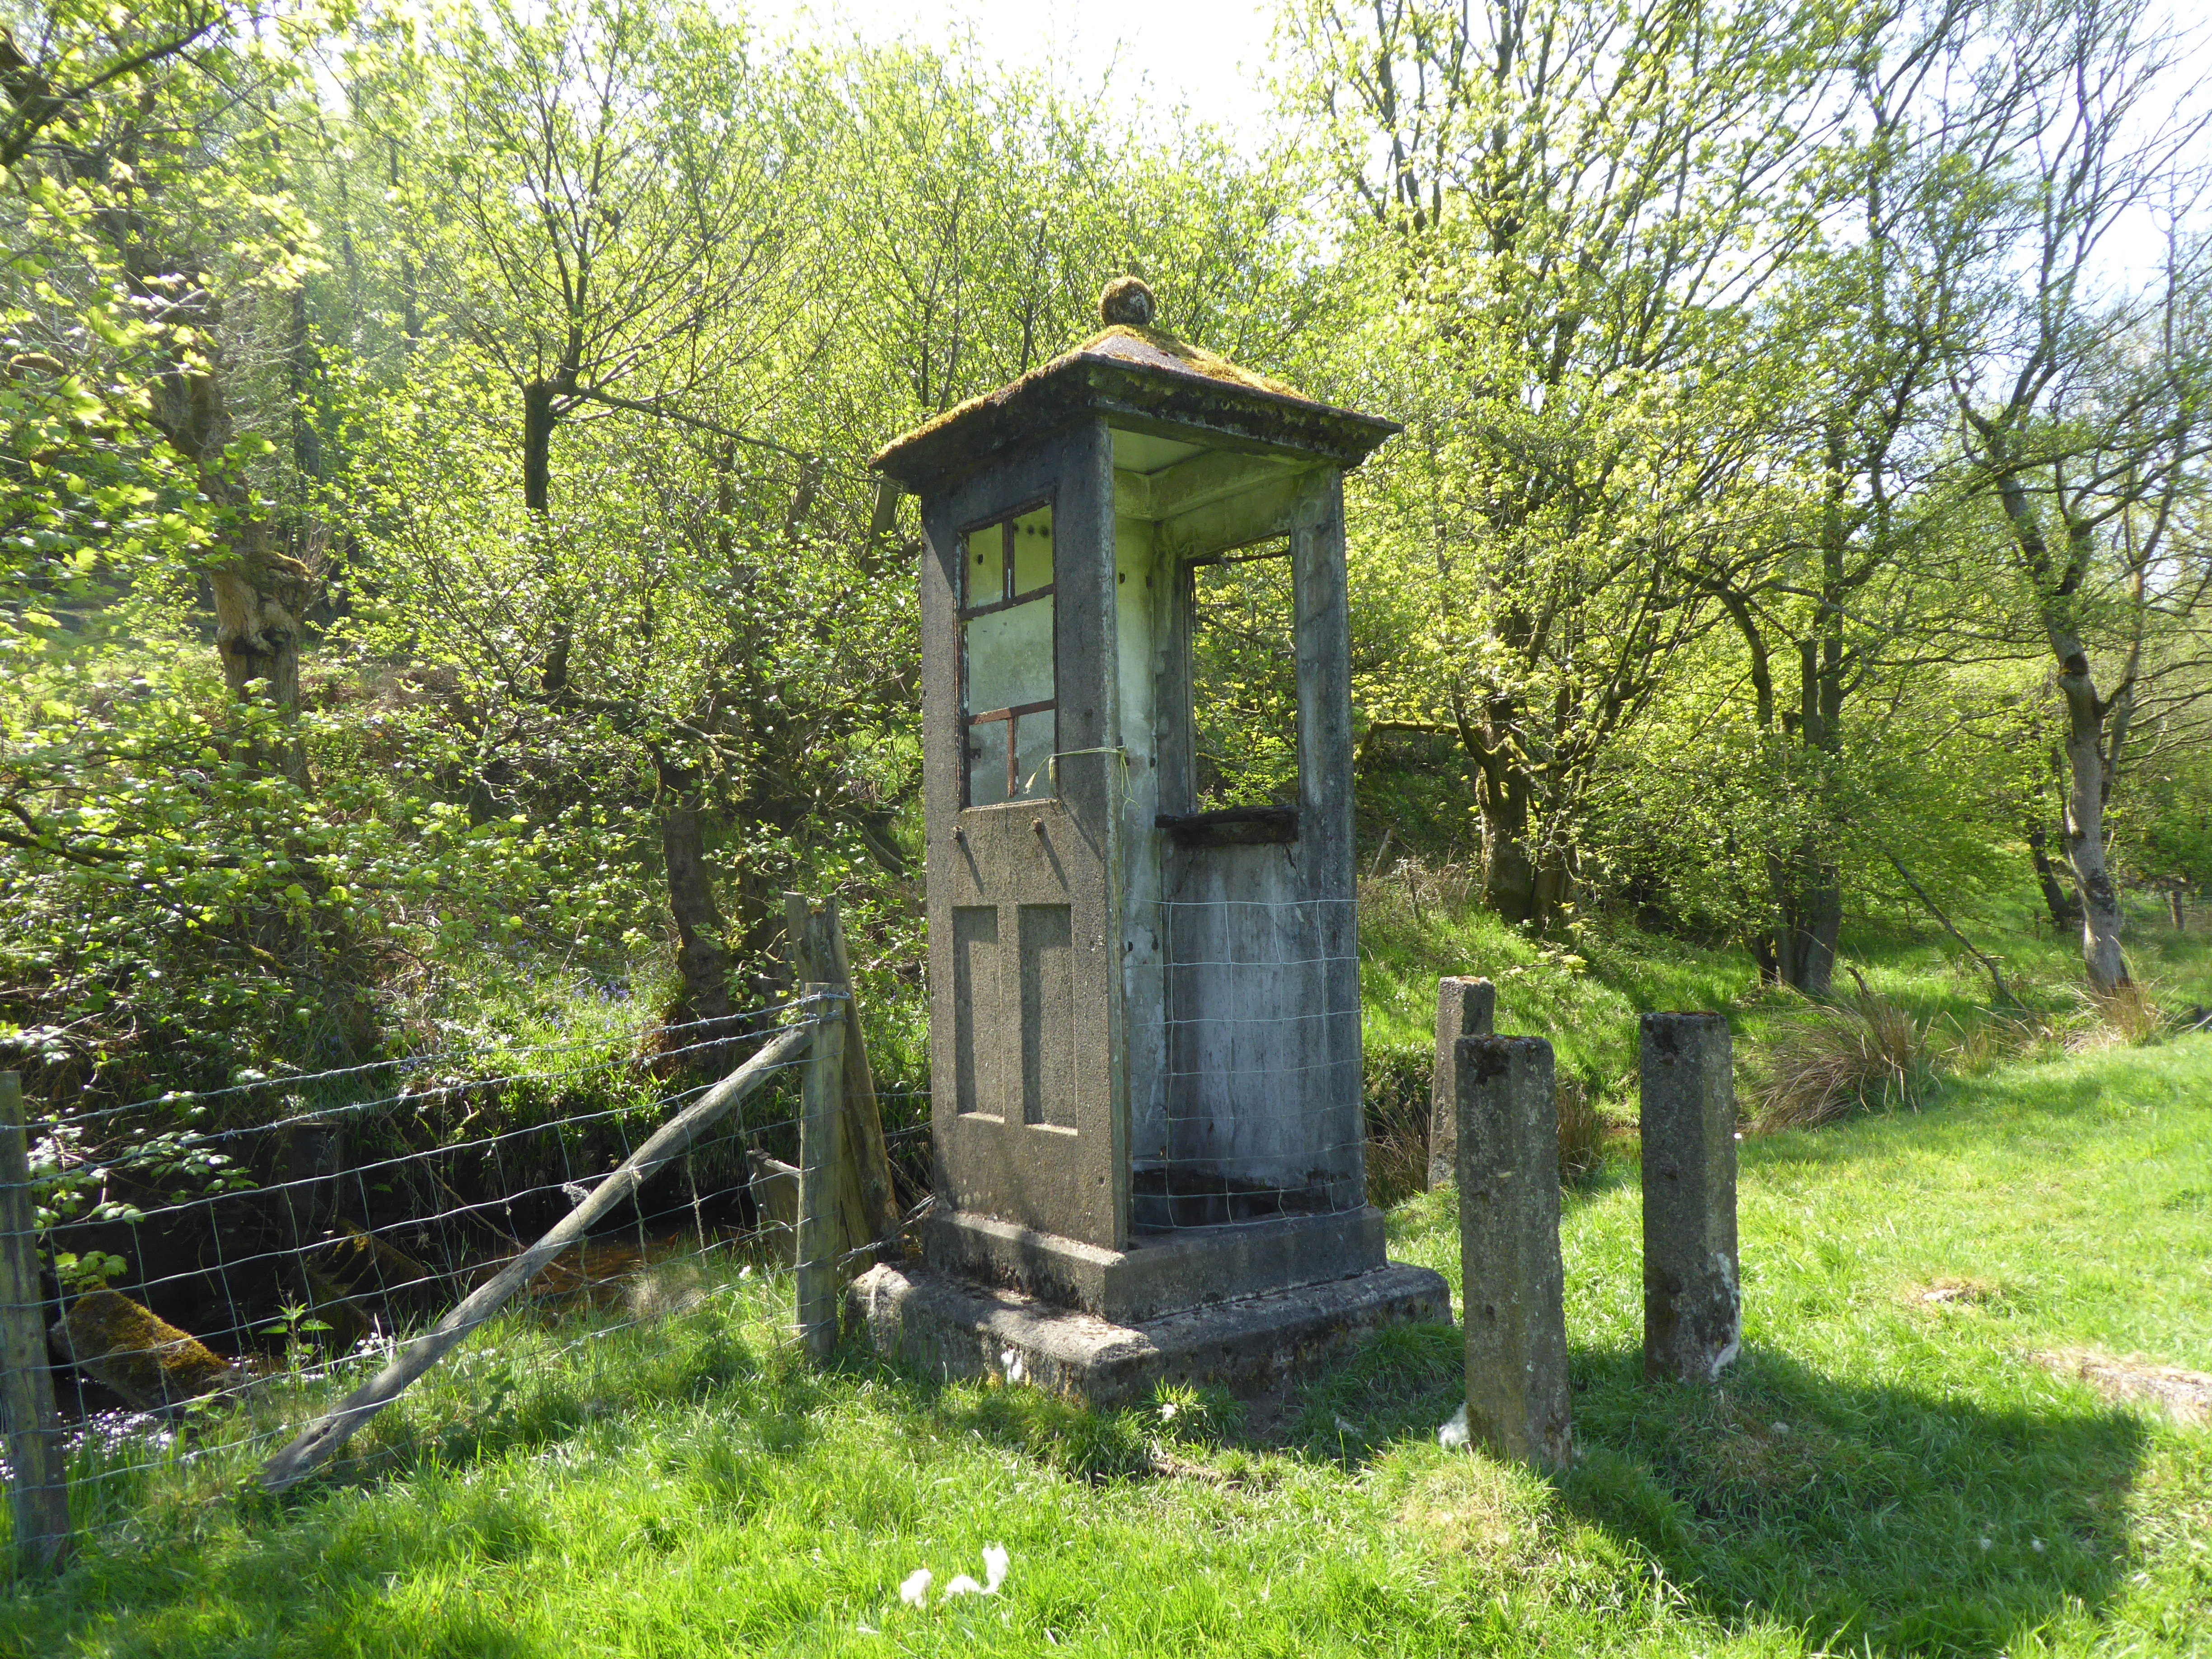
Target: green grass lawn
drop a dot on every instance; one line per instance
(1880, 1474)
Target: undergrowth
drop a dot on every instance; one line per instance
(1861, 1053)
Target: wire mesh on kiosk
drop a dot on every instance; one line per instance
(1262, 1112)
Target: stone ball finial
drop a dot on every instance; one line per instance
(1127, 300)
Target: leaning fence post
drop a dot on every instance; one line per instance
(35, 1454)
(820, 1235)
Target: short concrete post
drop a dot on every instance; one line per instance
(1514, 1283)
(1693, 1303)
(1465, 1007)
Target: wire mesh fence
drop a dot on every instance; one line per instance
(213, 1268)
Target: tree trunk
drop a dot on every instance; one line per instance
(1809, 896)
(257, 638)
(701, 959)
(2085, 830)
(2065, 914)
(260, 590)
(537, 445)
(1509, 883)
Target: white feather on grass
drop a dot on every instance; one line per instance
(995, 1574)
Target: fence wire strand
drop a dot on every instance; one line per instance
(205, 1293)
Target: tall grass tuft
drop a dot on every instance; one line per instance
(1582, 1130)
(2127, 1016)
(1865, 1053)
(1397, 1112)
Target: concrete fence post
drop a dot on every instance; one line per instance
(1513, 1280)
(1465, 1008)
(1692, 1299)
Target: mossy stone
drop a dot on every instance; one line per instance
(140, 1356)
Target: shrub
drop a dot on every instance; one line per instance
(1397, 1101)
(1397, 1091)
(1861, 1054)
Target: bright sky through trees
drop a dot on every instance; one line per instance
(1211, 55)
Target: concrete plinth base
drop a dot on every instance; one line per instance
(950, 1327)
(1160, 1272)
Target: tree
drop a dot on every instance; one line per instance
(2084, 413)
(604, 212)
(1867, 314)
(150, 198)
(599, 209)
(1572, 208)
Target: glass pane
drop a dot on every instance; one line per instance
(1036, 738)
(1033, 551)
(1244, 685)
(1009, 657)
(986, 763)
(986, 571)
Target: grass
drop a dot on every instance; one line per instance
(1881, 1472)
(1857, 1054)
(1583, 992)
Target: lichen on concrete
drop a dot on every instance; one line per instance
(1152, 372)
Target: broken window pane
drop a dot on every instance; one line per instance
(1010, 681)
(1244, 682)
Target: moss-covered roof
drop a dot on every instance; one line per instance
(1142, 374)
(1155, 350)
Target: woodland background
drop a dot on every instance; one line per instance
(443, 597)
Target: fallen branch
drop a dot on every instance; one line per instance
(1934, 910)
(327, 1433)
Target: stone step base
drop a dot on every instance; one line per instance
(953, 1328)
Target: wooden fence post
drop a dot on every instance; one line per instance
(867, 1208)
(821, 1236)
(35, 1453)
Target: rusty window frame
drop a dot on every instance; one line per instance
(1014, 714)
